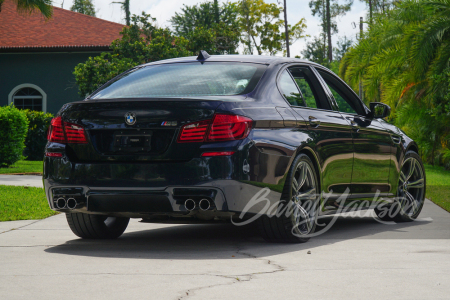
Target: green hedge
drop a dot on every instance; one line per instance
(37, 134)
(13, 130)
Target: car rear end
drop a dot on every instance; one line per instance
(135, 152)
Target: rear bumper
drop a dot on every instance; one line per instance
(141, 189)
(135, 201)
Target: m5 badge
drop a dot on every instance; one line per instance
(169, 123)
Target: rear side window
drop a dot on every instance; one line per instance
(302, 76)
(184, 80)
(289, 89)
(310, 87)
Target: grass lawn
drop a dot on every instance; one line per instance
(20, 203)
(24, 166)
(438, 186)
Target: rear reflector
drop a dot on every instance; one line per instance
(53, 154)
(64, 132)
(222, 128)
(221, 153)
(194, 132)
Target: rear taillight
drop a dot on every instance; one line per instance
(74, 133)
(64, 132)
(222, 128)
(194, 132)
(229, 128)
(56, 131)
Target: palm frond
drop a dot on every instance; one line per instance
(30, 6)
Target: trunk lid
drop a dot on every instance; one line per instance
(151, 133)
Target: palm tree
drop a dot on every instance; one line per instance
(402, 51)
(404, 61)
(30, 6)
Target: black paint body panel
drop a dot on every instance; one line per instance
(145, 182)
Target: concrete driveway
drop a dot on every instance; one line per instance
(21, 180)
(356, 259)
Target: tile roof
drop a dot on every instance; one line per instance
(66, 29)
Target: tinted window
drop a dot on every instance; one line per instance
(184, 80)
(344, 106)
(289, 89)
(344, 97)
(304, 81)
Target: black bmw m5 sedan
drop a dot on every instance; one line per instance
(273, 140)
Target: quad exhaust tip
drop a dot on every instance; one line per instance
(189, 204)
(71, 203)
(204, 204)
(61, 203)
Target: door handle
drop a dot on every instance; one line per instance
(313, 121)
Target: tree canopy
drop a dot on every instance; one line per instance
(140, 43)
(328, 11)
(262, 27)
(209, 26)
(83, 7)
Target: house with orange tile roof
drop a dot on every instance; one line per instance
(38, 57)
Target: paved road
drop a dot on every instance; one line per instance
(356, 259)
(21, 180)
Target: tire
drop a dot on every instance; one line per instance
(284, 229)
(410, 193)
(88, 226)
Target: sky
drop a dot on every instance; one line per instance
(163, 10)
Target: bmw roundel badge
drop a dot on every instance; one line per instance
(130, 118)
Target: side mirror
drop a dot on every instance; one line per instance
(379, 110)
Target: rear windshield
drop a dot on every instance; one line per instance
(184, 80)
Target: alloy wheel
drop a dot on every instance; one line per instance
(304, 199)
(411, 187)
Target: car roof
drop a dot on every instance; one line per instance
(259, 59)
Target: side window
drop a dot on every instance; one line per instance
(306, 83)
(290, 90)
(344, 106)
(347, 102)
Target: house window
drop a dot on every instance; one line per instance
(28, 98)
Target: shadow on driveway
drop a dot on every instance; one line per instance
(215, 241)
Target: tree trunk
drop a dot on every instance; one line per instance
(286, 31)
(126, 6)
(258, 48)
(216, 11)
(324, 29)
(370, 11)
(246, 12)
(330, 47)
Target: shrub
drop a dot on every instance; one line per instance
(37, 134)
(13, 130)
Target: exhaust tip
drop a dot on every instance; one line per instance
(204, 204)
(61, 203)
(189, 204)
(71, 203)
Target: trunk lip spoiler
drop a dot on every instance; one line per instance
(234, 98)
